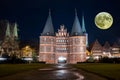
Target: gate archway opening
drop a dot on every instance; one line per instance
(62, 59)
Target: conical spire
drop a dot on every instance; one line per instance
(84, 30)
(15, 31)
(83, 24)
(8, 30)
(48, 29)
(76, 29)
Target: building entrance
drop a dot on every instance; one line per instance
(62, 59)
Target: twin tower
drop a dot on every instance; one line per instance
(61, 46)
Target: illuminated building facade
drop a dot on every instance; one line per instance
(62, 46)
(99, 51)
(115, 50)
(96, 50)
(27, 51)
(9, 43)
(106, 50)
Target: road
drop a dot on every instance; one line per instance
(55, 72)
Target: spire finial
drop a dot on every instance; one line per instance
(75, 11)
(49, 11)
(83, 14)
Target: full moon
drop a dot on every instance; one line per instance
(103, 20)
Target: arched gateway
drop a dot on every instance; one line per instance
(62, 47)
(62, 59)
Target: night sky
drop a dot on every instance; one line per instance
(31, 16)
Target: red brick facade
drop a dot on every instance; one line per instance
(72, 48)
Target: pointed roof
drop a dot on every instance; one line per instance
(15, 31)
(8, 30)
(106, 45)
(96, 46)
(76, 29)
(83, 24)
(115, 45)
(48, 28)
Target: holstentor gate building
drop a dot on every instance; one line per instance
(62, 45)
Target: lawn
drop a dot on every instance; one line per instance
(9, 69)
(110, 71)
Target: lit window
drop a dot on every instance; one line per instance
(56, 40)
(62, 34)
(51, 39)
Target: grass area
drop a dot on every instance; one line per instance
(9, 69)
(111, 71)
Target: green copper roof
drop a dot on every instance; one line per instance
(15, 30)
(8, 30)
(83, 25)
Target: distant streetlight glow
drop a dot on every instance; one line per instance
(27, 59)
(3, 59)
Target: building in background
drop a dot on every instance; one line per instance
(27, 51)
(106, 50)
(28, 54)
(62, 46)
(98, 51)
(115, 50)
(9, 45)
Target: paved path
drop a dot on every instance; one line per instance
(55, 72)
